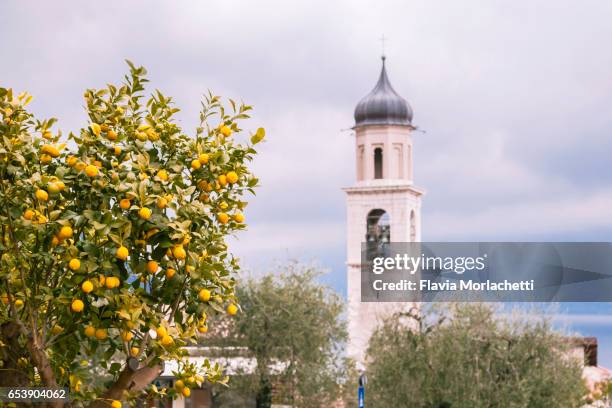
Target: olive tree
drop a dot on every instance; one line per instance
(292, 327)
(466, 355)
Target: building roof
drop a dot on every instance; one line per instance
(383, 106)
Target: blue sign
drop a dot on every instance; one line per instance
(361, 396)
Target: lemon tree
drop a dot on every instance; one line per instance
(112, 243)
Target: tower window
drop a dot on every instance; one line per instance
(360, 163)
(378, 163)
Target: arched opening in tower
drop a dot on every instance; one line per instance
(378, 163)
(379, 228)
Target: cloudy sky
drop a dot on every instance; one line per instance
(514, 100)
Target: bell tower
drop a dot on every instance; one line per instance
(383, 205)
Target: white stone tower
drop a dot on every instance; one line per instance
(383, 204)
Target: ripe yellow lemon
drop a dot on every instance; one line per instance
(223, 218)
(161, 331)
(56, 187)
(125, 204)
(46, 134)
(77, 305)
(90, 331)
(152, 266)
(28, 214)
(167, 340)
(134, 351)
(232, 177)
(50, 150)
(204, 295)
(161, 203)
(91, 170)
(222, 179)
(239, 217)
(170, 273)
(18, 303)
(225, 131)
(126, 335)
(186, 392)
(203, 158)
(179, 252)
(144, 213)
(163, 175)
(42, 195)
(95, 129)
(195, 164)
(101, 334)
(202, 329)
(111, 135)
(87, 286)
(74, 264)
(112, 282)
(232, 309)
(122, 253)
(65, 232)
(179, 384)
(71, 161)
(116, 404)
(117, 150)
(53, 188)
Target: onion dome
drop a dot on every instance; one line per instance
(383, 106)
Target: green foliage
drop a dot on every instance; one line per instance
(116, 228)
(291, 325)
(467, 356)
